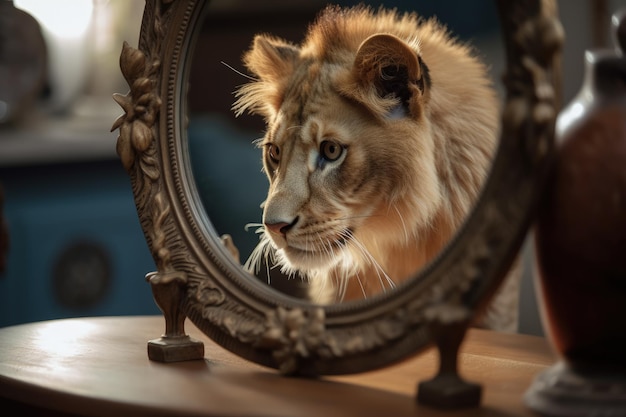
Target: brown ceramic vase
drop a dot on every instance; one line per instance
(580, 241)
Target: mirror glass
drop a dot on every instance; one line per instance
(227, 165)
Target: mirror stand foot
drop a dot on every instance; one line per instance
(174, 345)
(448, 390)
(175, 349)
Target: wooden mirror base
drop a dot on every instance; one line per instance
(561, 391)
(174, 345)
(447, 390)
(175, 349)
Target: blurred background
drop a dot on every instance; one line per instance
(75, 245)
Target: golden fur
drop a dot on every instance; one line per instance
(380, 132)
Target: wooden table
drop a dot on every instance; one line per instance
(99, 367)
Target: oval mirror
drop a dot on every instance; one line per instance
(197, 276)
(374, 240)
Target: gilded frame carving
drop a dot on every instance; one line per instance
(196, 277)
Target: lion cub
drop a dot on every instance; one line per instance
(380, 133)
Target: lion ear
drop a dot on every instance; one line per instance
(387, 67)
(271, 59)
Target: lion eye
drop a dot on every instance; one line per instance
(331, 151)
(273, 152)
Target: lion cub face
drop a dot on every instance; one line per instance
(342, 143)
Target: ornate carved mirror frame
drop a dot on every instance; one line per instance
(198, 279)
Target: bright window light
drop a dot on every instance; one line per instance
(66, 19)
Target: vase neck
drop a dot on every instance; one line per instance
(605, 74)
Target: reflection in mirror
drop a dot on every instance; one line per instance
(374, 156)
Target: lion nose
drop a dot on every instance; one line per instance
(280, 227)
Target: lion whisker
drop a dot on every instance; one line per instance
(236, 71)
